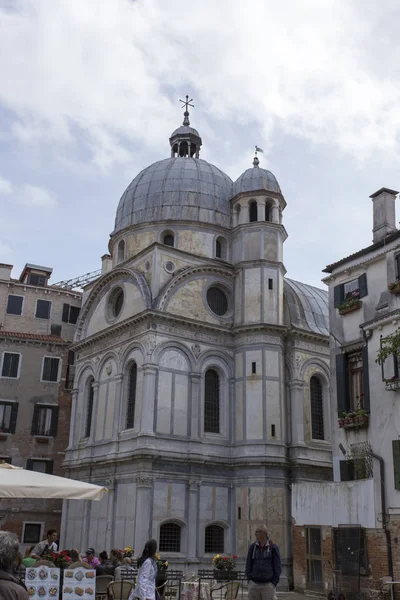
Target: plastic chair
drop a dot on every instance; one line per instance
(102, 582)
(120, 590)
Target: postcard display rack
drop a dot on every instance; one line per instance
(79, 584)
(43, 583)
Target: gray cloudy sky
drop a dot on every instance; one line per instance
(88, 97)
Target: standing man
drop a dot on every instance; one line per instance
(263, 566)
(48, 545)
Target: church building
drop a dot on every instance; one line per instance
(202, 373)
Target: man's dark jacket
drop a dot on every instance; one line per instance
(263, 565)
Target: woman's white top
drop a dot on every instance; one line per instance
(146, 581)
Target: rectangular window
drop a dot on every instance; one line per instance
(10, 365)
(70, 314)
(32, 533)
(351, 288)
(253, 368)
(356, 288)
(272, 430)
(14, 305)
(35, 279)
(396, 463)
(43, 308)
(50, 369)
(270, 284)
(355, 374)
(314, 558)
(41, 466)
(6, 459)
(45, 420)
(8, 416)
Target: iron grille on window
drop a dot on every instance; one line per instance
(317, 409)
(130, 414)
(214, 539)
(90, 398)
(217, 301)
(170, 538)
(211, 402)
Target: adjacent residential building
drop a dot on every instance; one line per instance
(347, 533)
(202, 372)
(37, 324)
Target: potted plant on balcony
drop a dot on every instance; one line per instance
(224, 566)
(394, 287)
(352, 302)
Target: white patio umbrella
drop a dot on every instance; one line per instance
(16, 482)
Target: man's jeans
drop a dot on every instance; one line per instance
(262, 591)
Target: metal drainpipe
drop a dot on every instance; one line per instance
(384, 519)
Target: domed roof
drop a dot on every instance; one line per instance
(254, 179)
(188, 189)
(307, 307)
(185, 130)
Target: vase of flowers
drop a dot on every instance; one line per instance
(127, 552)
(59, 559)
(224, 566)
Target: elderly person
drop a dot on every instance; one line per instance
(125, 571)
(11, 588)
(263, 566)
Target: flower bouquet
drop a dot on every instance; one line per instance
(127, 552)
(224, 566)
(59, 559)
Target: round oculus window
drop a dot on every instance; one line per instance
(217, 301)
(116, 301)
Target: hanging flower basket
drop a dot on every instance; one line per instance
(394, 287)
(349, 306)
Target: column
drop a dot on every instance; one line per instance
(195, 405)
(244, 215)
(148, 399)
(275, 213)
(296, 387)
(193, 520)
(144, 490)
(110, 499)
(72, 427)
(261, 210)
(119, 406)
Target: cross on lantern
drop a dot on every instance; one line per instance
(187, 102)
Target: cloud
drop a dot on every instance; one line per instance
(5, 186)
(32, 195)
(109, 72)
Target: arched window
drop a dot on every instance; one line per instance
(253, 211)
(89, 406)
(317, 409)
(168, 239)
(170, 538)
(214, 539)
(267, 212)
(121, 251)
(130, 411)
(220, 248)
(211, 402)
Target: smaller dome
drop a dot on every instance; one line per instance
(255, 179)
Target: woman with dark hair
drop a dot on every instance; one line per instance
(146, 580)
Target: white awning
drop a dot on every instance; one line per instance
(16, 482)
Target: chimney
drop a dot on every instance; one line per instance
(106, 263)
(5, 271)
(384, 213)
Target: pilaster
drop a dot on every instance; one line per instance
(148, 399)
(144, 490)
(296, 388)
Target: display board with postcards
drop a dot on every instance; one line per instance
(79, 584)
(42, 582)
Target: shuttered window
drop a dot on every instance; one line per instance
(10, 366)
(41, 466)
(396, 463)
(8, 416)
(317, 409)
(345, 290)
(132, 380)
(211, 402)
(43, 308)
(51, 368)
(70, 314)
(352, 381)
(45, 420)
(89, 406)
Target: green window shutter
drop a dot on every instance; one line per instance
(35, 420)
(396, 463)
(367, 403)
(74, 314)
(342, 383)
(65, 313)
(14, 413)
(54, 421)
(362, 285)
(338, 295)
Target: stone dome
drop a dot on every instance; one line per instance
(176, 189)
(255, 179)
(185, 130)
